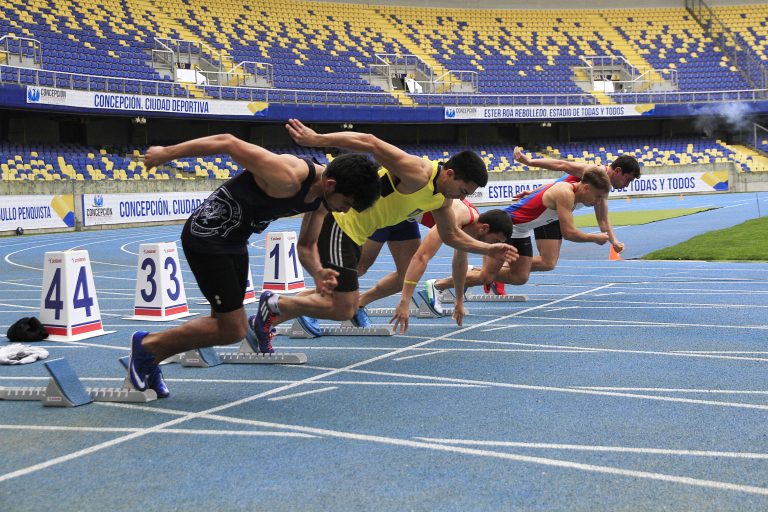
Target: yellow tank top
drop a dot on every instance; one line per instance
(391, 208)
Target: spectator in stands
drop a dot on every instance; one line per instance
(552, 203)
(409, 186)
(549, 238)
(215, 237)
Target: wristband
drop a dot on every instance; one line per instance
(410, 282)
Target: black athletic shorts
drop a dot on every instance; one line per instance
(406, 230)
(221, 278)
(523, 245)
(340, 253)
(549, 231)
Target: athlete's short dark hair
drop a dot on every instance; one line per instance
(498, 222)
(469, 167)
(357, 176)
(596, 178)
(628, 165)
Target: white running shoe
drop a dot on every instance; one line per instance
(435, 296)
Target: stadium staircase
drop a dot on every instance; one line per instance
(422, 51)
(168, 23)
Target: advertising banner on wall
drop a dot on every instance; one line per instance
(649, 184)
(37, 212)
(100, 209)
(548, 112)
(134, 103)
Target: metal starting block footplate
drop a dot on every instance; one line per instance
(207, 357)
(485, 297)
(345, 329)
(66, 390)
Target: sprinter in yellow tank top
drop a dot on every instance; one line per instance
(409, 186)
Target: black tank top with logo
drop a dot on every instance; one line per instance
(223, 222)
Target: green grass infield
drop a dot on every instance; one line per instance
(745, 242)
(636, 217)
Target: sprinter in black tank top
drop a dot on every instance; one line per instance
(215, 237)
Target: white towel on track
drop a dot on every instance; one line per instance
(16, 353)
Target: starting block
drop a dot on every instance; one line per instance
(66, 390)
(485, 297)
(426, 311)
(417, 309)
(207, 357)
(345, 329)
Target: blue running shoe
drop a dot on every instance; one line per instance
(265, 347)
(261, 326)
(141, 363)
(155, 381)
(361, 318)
(310, 325)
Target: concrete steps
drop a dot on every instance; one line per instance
(626, 48)
(403, 98)
(389, 28)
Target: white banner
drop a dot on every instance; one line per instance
(101, 209)
(139, 103)
(31, 212)
(651, 184)
(547, 112)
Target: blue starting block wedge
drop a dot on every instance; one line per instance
(427, 311)
(66, 390)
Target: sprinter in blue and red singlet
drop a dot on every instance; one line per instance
(552, 203)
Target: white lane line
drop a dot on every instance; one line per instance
(436, 351)
(36, 286)
(679, 390)
(592, 448)
(303, 393)
(393, 441)
(112, 264)
(190, 416)
(681, 306)
(267, 381)
(574, 390)
(665, 304)
(59, 243)
(431, 353)
(124, 247)
(721, 352)
(187, 431)
(570, 307)
(567, 348)
(639, 323)
(19, 306)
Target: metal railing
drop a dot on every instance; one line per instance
(241, 75)
(184, 50)
(759, 134)
(64, 80)
(731, 44)
(639, 78)
(14, 48)
(390, 65)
